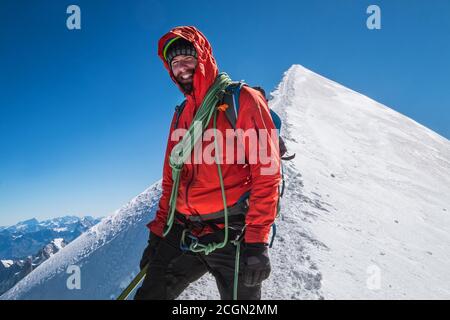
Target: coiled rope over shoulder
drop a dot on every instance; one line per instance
(183, 149)
(178, 157)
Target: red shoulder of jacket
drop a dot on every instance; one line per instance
(251, 98)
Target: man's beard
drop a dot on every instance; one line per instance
(186, 84)
(187, 87)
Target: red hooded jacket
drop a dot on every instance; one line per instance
(199, 188)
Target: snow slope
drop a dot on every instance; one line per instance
(366, 211)
(107, 256)
(375, 195)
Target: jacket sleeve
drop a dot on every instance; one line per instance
(265, 173)
(158, 224)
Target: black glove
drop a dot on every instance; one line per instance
(256, 263)
(153, 243)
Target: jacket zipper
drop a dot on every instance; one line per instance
(187, 189)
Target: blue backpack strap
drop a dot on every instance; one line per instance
(276, 120)
(236, 95)
(244, 197)
(231, 98)
(178, 111)
(274, 233)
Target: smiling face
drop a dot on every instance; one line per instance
(183, 68)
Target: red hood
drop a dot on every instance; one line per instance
(206, 71)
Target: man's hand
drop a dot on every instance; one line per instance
(257, 263)
(149, 252)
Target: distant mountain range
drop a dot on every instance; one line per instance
(25, 245)
(28, 237)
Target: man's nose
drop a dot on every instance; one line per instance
(183, 66)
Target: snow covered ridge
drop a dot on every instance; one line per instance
(365, 215)
(383, 181)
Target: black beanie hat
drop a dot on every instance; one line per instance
(178, 46)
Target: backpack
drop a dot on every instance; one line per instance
(231, 98)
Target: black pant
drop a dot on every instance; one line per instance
(171, 270)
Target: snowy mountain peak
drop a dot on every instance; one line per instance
(365, 212)
(26, 237)
(383, 181)
(7, 263)
(26, 224)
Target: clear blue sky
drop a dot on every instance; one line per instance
(84, 114)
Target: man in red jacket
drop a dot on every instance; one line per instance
(251, 192)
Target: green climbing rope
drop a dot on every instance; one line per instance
(210, 247)
(182, 150)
